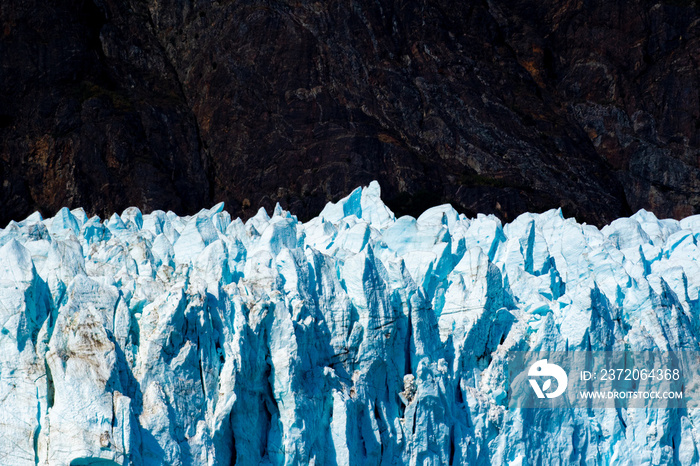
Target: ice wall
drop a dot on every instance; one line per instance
(353, 339)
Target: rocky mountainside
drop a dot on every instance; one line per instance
(493, 106)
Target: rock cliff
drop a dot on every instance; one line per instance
(496, 107)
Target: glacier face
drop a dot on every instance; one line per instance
(355, 338)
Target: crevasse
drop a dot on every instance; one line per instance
(353, 339)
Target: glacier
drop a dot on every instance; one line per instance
(356, 338)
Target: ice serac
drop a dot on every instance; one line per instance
(355, 338)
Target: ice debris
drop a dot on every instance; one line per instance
(353, 339)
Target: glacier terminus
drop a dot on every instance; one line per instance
(356, 338)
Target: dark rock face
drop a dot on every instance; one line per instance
(497, 107)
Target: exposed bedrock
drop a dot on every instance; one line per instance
(496, 107)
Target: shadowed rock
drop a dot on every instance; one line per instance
(496, 107)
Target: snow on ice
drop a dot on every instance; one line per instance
(353, 339)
